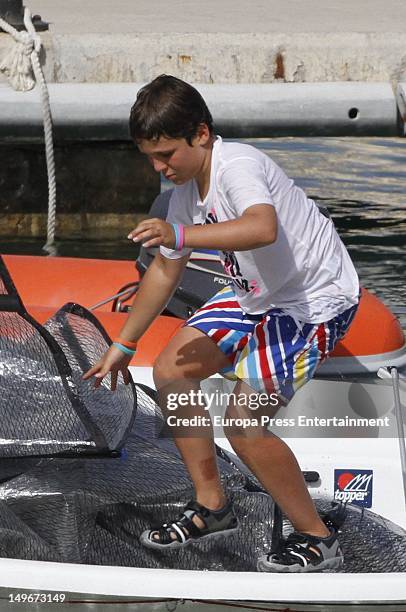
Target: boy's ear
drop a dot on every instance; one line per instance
(203, 134)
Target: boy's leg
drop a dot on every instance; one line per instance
(189, 358)
(275, 466)
(282, 355)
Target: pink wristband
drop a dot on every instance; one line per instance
(181, 236)
(179, 230)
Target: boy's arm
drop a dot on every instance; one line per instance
(257, 227)
(156, 288)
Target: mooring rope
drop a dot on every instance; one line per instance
(20, 63)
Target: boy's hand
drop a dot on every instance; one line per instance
(113, 361)
(154, 232)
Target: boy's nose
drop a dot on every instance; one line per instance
(158, 165)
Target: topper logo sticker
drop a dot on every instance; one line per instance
(353, 486)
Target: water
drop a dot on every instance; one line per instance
(361, 181)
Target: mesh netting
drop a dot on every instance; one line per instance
(94, 510)
(46, 407)
(83, 342)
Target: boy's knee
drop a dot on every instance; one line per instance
(166, 373)
(243, 429)
(234, 429)
(162, 373)
(236, 439)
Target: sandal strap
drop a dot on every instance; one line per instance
(213, 520)
(185, 522)
(164, 535)
(197, 508)
(181, 535)
(297, 548)
(184, 527)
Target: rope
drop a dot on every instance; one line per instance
(20, 63)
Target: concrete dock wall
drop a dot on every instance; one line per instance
(224, 41)
(224, 58)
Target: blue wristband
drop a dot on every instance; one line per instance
(124, 349)
(179, 230)
(177, 235)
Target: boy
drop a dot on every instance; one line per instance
(294, 292)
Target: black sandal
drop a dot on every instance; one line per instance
(217, 523)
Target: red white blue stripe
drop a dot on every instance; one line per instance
(270, 351)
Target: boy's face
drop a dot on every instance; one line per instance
(175, 157)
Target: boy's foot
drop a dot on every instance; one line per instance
(302, 552)
(184, 530)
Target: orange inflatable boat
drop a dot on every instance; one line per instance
(106, 286)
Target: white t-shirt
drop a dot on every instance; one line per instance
(306, 271)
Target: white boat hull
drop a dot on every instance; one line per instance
(384, 591)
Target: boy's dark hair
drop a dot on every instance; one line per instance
(168, 107)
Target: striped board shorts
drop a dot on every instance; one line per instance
(272, 351)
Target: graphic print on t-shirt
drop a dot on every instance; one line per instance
(230, 262)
